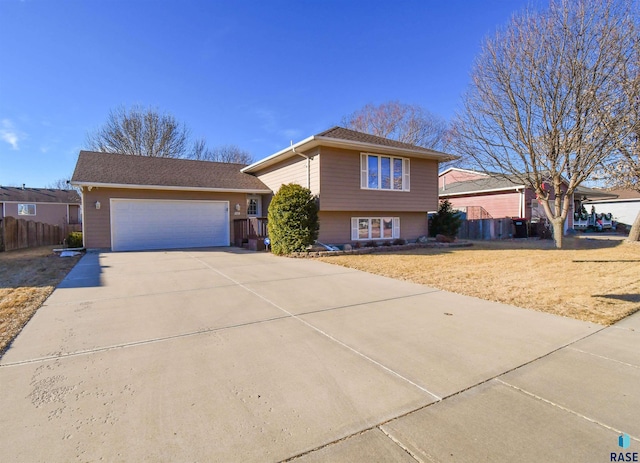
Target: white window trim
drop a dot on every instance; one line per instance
(364, 172)
(27, 204)
(355, 235)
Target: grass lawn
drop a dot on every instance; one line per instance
(593, 280)
(27, 278)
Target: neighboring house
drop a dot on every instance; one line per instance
(369, 188)
(52, 206)
(482, 195)
(624, 208)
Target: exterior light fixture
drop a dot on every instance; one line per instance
(97, 204)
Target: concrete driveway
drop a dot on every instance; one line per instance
(226, 355)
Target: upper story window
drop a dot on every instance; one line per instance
(26, 209)
(378, 172)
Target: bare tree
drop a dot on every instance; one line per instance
(545, 103)
(140, 131)
(622, 170)
(224, 153)
(403, 122)
(62, 184)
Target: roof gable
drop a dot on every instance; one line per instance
(123, 170)
(340, 133)
(38, 195)
(481, 185)
(339, 137)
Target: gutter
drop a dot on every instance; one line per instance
(475, 192)
(91, 186)
(314, 141)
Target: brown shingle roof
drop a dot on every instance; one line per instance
(624, 193)
(122, 169)
(38, 195)
(347, 134)
(351, 140)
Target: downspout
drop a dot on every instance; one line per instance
(293, 149)
(84, 235)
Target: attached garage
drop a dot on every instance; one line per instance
(138, 224)
(132, 203)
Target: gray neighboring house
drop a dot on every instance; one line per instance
(46, 205)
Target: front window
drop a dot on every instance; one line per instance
(26, 209)
(363, 229)
(387, 228)
(374, 228)
(384, 172)
(373, 171)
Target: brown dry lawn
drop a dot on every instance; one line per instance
(593, 280)
(27, 278)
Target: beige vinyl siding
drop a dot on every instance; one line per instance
(51, 213)
(340, 185)
(293, 170)
(97, 222)
(335, 227)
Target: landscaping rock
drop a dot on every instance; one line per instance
(444, 239)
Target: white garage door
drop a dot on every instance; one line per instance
(164, 224)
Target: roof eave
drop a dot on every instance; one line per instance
(475, 192)
(314, 141)
(270, 160)
(462, 170)
(614, 200)
(169, 187)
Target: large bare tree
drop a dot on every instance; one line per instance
(140, 131)
(403, 122)
(545, 104)
(622, 170)
(223, 153)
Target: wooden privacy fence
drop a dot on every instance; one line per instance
(486, 229)
(20, 233)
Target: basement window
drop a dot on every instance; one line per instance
(371, 228)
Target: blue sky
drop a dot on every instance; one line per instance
(256, 74)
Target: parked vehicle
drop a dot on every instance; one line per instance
(593, 221)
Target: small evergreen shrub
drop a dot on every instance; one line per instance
(399, 242)
(446, 222)
(293, 219)
(74, 240)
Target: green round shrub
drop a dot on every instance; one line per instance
(293, 219)
(74, 240)
(446, 222)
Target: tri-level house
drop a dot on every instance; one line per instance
(369, 189)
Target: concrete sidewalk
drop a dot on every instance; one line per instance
(226, 355)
